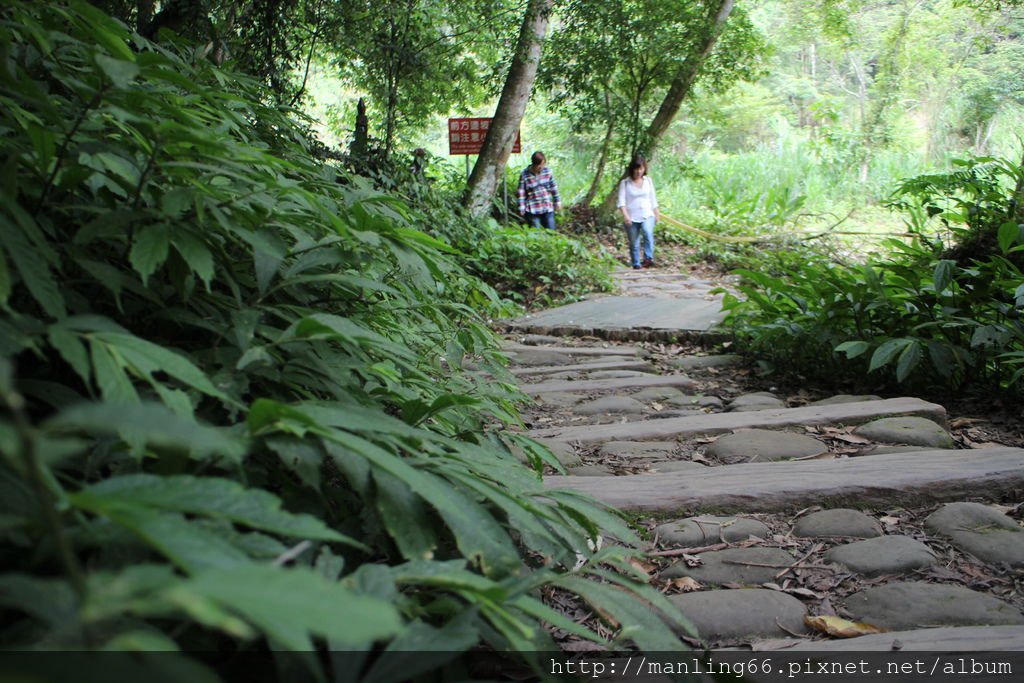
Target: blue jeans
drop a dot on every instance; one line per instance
(542, 220)
(635, 230)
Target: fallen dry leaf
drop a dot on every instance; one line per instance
(685, 584)
(645, 567)
(850, 438)
(841, 628)
(889, 521)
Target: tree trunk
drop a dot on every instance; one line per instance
(602, 161)
(681, 86)
(145, 9)
(490, 164)
(361, 136)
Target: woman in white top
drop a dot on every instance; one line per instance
(639, 206)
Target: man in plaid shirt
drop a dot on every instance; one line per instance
(538, 194)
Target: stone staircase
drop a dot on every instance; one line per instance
(762, 512)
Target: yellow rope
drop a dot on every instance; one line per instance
(711, 235)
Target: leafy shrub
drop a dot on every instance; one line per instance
(541, 267)
(234, 415)
(917, 316)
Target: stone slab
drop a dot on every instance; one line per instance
(942, 639)
(539, 356)
(624, 364)
(611, 384)
(914, 604)
(701, 362)
(631, 351)
(661, 394)
(909, 430)
(661, 430)
(676, 466)
(742, 566)
(627, 312)
(607, 405)
(846, 398)
(709, 529)
(882, 555)
(758, 401)
(742, 613)
(981, 531)
(838, 522)
(904, 478)
(589, 471)
(560, 399)
(764, 445)
(619, 374)
(638, 449)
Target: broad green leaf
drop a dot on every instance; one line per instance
(1009, 232)
(422, 648)
(72, 350)
(304, 457)
(185, 543)
(149, 250)
(289, 605)
(196, 254)
(212, 497)
(148, 358)
(886, 353)
(32, 265)
(942, 276)
(852, 349)
(477, 533)
(638, 621)
(119, 71)
(52, 601)
(5, 279)
(406, 517)
(158, 425)
(110, 377)
(909, 359)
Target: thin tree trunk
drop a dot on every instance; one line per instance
(602, 160)
(680, 89)
(490, 164)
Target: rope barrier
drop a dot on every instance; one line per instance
(734, 239)
(737, 239)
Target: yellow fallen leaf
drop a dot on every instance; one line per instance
(841, 628)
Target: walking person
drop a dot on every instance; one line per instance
(538, 194)
(639, 205)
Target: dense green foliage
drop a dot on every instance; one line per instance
(233, 410)
(939, 314)
(540, 267)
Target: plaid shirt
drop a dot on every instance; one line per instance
(537, 193)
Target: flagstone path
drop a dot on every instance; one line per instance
(762, 511)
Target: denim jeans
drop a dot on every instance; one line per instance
(637, 230)
(542, 220)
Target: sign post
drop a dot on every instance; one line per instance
(466, 136)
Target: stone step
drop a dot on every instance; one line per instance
(623, 364)
(942, 639)
(630, 351)
(883, 480)
(627, 317)
(610, 384)
(718, 423)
